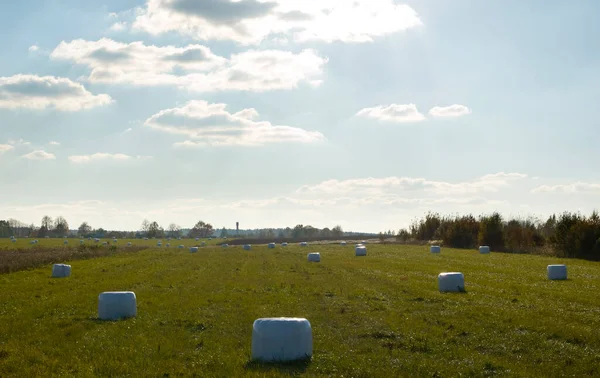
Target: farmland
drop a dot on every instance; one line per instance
(379, 315)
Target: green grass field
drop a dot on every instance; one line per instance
(374, 316)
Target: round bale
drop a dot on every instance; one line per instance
(193, 249)
(247, 247)
(557, 272)
(114, 305)
(451, 282)
(271, 245)
(281, 339)
(435, 249)
(314, 257)
(61, 270)
(484, 249)
(361, 250)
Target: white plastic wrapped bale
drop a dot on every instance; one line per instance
(14, 240)
(281, 339)
(284, 244)
(97, 240)
(114, 305)
(203, 244)
(181, 246)
(361, 250)
(193, 249)
(66, 242)
(484, 249)
(314, 257)
(451, 282)
(343, 244)
(105, 243)
(557, 272)
(129, 244)
(435, 249)
(271, 245)
(209, 238)
(225, 245)
(47, 237)
(168, 245)
(363, 242)
(303, 244)
(197, 239)
(81, 242)
(247, 247)
(159, 244)
(61, 270)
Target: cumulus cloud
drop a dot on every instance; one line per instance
(5, 148)
(33, 48)
(39, 155)
(102, 156)
(577, 187)
(118, 26)
(211, 124)
(19, 142)
(251, 21)
(193, 67)
(393, 113)
(54, 143)
(41, 92)
(449, 111)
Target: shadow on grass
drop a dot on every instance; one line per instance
(291, 368)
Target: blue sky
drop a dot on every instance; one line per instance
(364, 114)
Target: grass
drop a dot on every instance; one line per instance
(374, 316)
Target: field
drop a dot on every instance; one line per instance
(374, 316)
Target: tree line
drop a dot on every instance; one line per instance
(565, 235)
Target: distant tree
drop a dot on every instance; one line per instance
(145, 226)
(201, 230)
(337, 231)
(5, 230)
(382, 237)
(403, 235)
(46, 226)
(174, 230)
(100, 232)
(224, 232)
(326, 233)
(310, 231)
(155, 230)
(61, 226)
(84, 229)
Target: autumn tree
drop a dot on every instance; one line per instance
(61, 226)
(84, 229)
(174, 230)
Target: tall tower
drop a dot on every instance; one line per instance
(237, 228)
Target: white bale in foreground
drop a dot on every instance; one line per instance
(114, 305)
(435, 249)
(303, 244)
(193, 249)
(484, 249)
(271, 245)
(314, 257)
(61, 270)
(284, 244)
(557, 272)
(451, 282)
(247, 247)
(361, 250)
(281, 339)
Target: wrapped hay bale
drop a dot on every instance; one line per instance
(197, 239)
(66, 242)
(281, 339)
(451, 282)
(129, 244)
(284, 244)
(557, 272)
(61, 270)
(97, 240)
(203, 244)
(193, 249)
(14, 240)
(271, 245)
(168, 245)
(247, 247)
(343, 244)
(159, 244)
(314, 257)
(181, 246)
(363, 242)
(114, 305)
(225, 245)
(361, 250)
(484, 249)
(435, 249)
(303, 244)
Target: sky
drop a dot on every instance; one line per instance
(365, 114)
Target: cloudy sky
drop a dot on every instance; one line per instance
(363, 113)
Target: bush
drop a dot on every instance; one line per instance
(460, 232)
(491, 232)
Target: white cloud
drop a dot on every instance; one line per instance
(449, 111)
(33, 48)
(193, 67)
(54, 143)
(5, 148)
(577, 187)
(19, 142)
(393, 113)
(118, 26)
(101, 156)
(39, 155)
(212, 125)
(251, 21)
(35, 92)
(128, 130)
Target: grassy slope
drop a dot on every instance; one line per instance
(379, 315)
